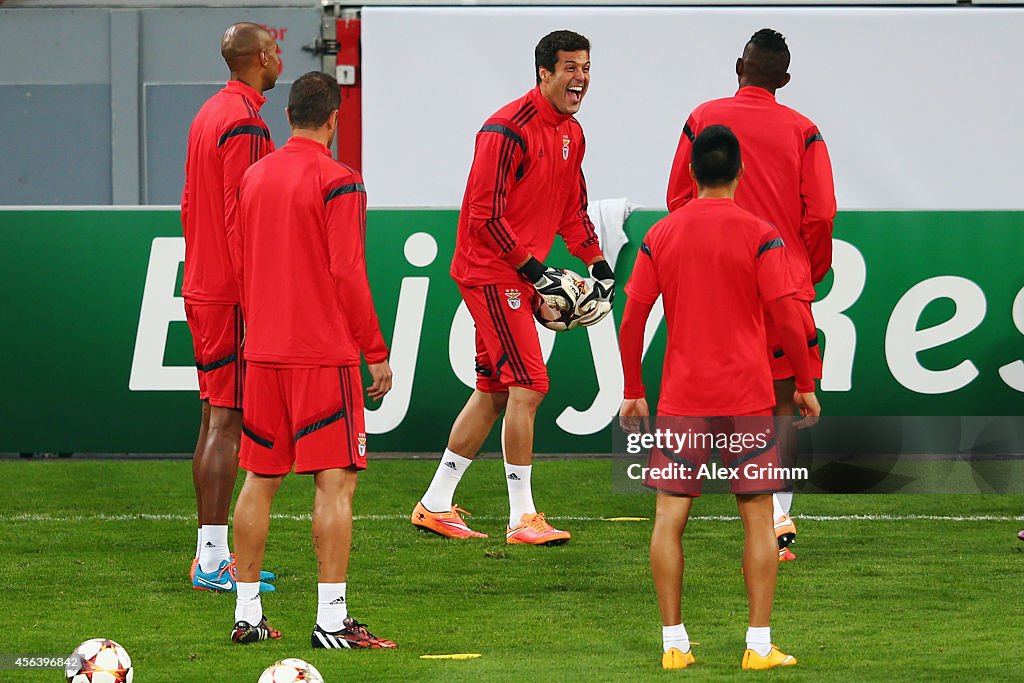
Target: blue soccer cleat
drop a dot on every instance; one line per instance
(223, 579)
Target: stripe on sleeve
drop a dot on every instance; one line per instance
(507, 132)
(769, 245)
(344, 189)
(257, 131)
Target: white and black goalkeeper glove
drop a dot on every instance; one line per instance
(598, 302)
(559, 292)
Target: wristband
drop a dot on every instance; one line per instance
(532, 270)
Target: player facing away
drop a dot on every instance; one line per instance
(525, 186)
(226, 137)
(309, 316)
(788, 182)
(721, 271)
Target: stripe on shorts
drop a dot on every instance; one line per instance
(262, 441)
(501, 326)
(344, 383)
(319, 424)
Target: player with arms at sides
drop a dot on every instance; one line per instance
(309, 315)
(525, 186)
(788, 182)
(226, 137)
(721, 272)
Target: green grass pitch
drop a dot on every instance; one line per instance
(102, 548)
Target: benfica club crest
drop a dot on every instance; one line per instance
(361, 439)
(565, 146)
(514, 299)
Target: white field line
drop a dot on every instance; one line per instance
(144, 517)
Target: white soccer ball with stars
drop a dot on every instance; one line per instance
(99, 661)
(560, 320)
(289, 670)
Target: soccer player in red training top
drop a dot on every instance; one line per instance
(717, 267)
(526, 184)
(226, 137)
(309, 315)
(788, 182)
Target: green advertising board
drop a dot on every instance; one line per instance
(922, 315)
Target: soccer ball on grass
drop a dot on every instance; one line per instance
(99, 661)
(290, 670)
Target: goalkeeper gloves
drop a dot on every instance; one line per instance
(558, 291)
(598, 303)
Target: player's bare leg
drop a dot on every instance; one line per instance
(760, 559)
(332, 522)
(197, 463)
(785, 409)
(252, 520)
(760, 571)
(475, 422)
(517, 428)
(525, 525)
(218, 470)
(219, 466)
(435, 512)
(670, 517)
(332, 540)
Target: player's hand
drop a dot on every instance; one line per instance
(810, 409)
(549, 284)
(380, 373)
(598, 303)
(633, 416)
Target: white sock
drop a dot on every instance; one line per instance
(248, 607)
(520, 492)
(781, 502)
(214, 548)
(331, 608)
(675, 636)
(438, 497)
(759, 639)
(199, 540)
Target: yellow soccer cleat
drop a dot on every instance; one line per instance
(674, 659)
(533, 529)
(755, 662)
(448, 524)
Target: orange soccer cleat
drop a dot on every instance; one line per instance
(533, 529)
(448, 524)
(785, 531)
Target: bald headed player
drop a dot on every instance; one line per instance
(788, 182)
(226, 137)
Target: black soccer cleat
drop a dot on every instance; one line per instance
(352, 636)
(245, 633)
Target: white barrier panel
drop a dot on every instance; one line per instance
(914, 104)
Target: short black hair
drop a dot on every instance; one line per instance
(546, 53)
(769, 49)
(313, 97)
(715, 157)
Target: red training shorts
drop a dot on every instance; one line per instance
(781, 369)
(217, 346)
(310, 417)
(507, 346)
(746, 443)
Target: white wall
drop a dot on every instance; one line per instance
(920, 108)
